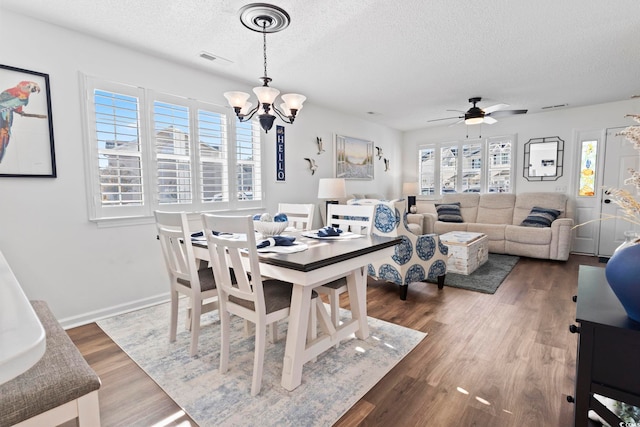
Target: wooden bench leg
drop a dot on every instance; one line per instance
(85, 408)
(89, 410)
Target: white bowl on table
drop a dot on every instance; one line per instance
(268, 229)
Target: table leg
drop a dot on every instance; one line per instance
(296, 337)
(357, 287)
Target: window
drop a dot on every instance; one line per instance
(193, 157)
(484, 165)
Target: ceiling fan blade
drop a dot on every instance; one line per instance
(458, 122)
(489, 120)
(495, 108)
(446, 118)
(502, 113)
(457, 111)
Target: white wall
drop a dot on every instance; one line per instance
(564, 123)
(85, 272)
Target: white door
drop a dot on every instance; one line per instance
(619, 157)
(588, 195)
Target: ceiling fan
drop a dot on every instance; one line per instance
(476, 115)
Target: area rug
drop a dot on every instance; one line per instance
(330, 386)
(487, 278)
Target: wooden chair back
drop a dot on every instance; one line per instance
(355, 218)
(234, 259)
(175, 239)
(300, 215)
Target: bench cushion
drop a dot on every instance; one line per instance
(60, 376)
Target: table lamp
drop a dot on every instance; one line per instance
(331, 189)
(410, 189)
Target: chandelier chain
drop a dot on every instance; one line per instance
(264, 45)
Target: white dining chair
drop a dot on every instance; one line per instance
(356, 219)
(242, 290)
(300, 215)
(185, 276)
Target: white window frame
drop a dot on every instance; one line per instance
(116, 215)
(485, 163)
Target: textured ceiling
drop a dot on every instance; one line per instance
(406, 61)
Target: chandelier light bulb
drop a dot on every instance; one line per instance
(294, 101)
(245, 110)
(237, 99)
(266, 94)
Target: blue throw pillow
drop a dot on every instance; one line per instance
(540, 217)
(449, 212)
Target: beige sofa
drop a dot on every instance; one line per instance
(499, 216)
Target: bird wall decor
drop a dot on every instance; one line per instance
(312, 165)
(319, 142)
(386, 164)
(379, 152)
(13, 100)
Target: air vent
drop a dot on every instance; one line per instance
(214, 58)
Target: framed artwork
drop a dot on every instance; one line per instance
(354, 158)
(26, 126)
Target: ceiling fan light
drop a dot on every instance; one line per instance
(266, 94)
(294, 100)
(473, 121)
(237, 99)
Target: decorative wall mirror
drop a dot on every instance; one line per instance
(543, 159)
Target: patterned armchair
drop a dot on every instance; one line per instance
(416, 259)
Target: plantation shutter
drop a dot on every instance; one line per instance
(173, 153)
(248, 161)
(117, 135)
(213, 153)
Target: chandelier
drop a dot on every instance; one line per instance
(265, 18)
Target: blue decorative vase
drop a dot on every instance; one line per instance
(623, 275)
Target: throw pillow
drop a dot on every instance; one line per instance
(540, 217)
(449, 212)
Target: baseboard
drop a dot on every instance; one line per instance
(92, 316)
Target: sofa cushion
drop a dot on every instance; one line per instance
(496, 208)
(440, 227)
(526, 201)
(449, 212)
(540, 217)
(528, 235)
(468, 204)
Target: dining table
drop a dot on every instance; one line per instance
(322, 261)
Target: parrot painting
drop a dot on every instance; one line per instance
(13, 100)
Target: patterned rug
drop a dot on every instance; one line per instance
(487, 278)
(330, 386)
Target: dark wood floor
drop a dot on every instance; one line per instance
(506, 359)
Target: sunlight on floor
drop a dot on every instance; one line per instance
(481, 400)
(461, 390)
(171, 419)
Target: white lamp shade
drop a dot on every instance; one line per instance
(244, 110)
(237, 99)
(266, 94)
(332, 188)
(409, 188)
(285, 110)
(474, 121)
(294, 100)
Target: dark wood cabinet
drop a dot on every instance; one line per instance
(608, 360)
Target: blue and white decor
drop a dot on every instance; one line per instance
(416, 258)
